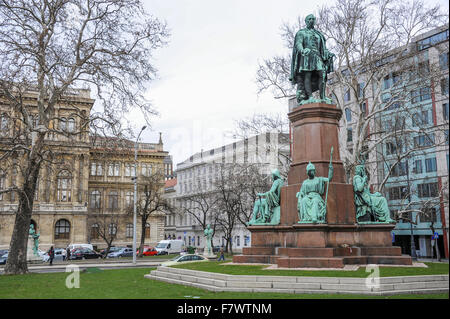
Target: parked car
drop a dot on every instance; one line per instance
(3, 251)
(123, 252)
(112, 249)
(58, 254)
(84, 253)
(148, 251)
(184, 259)
(170, 246)
(3, 258)
(72, 247)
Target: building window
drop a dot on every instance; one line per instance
(62, 229)
(348, 114)
(147, 230)
(64, 186)
(397, 192)
(2, 183)
(63, 124)
(71, 125)
(96, 169)
(347, 96)
(146, 169)
(424, 140)
(428, 215)
(400, 169)
(113, 200)
(419, 95)
(427, 190)
(349, 135)
(391, 148)
(430, 165)
(421, 118)
(95, 231)
(434, 39)
(443, 61)
(129, 231)
(96, 201)
(417, 167)
(445, 110)
(113, 169)
(129, 169)
(4, 124)
(444, 86)
(238, 241)
(129, 199)
(112, 229)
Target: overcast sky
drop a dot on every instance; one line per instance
(207, 71)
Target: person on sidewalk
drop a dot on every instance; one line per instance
(68, 253)
(64, 254)
(51, 254)
(222, 256)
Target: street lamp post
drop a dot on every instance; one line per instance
(135, 194)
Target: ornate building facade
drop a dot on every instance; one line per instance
(87, 184)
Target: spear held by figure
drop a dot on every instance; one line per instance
(329, 178)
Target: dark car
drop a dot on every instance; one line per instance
(216, 249)
(84, 253)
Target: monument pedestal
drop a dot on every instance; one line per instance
(339, 241)
(31, 257)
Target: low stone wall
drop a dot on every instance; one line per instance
(302, 285)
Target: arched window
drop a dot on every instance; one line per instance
(147, 230)
(63, 124)
(112, 229)
(70, 125)
(96, 199)
(2, 182)
(113, 200)
(64, 186)
(94, 231)
(4, 124)
(129, 231)
(62, 229)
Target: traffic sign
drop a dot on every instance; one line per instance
(436, 235)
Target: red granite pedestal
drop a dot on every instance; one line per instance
(341, 240)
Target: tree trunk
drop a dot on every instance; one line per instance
(17, 258)
(141, 246)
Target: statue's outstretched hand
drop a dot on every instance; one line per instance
(306, 51)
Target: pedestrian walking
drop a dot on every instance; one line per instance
(68, 253)
(51, 254)
(222, 256)
(64, 254)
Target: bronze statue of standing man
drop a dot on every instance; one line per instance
(311, 62)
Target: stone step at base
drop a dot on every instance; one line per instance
(256, 259)
(307, 262)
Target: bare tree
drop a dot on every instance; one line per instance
(371, 40)
(50, 48)
(236, 188)
(150, 201)
(201, 205)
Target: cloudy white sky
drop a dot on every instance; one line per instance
(207, 71)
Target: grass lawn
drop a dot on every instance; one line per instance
(131, 284)
(222, 267)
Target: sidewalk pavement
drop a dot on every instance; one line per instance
(91, 264)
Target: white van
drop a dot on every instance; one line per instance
(73, 246)
(170, 246)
